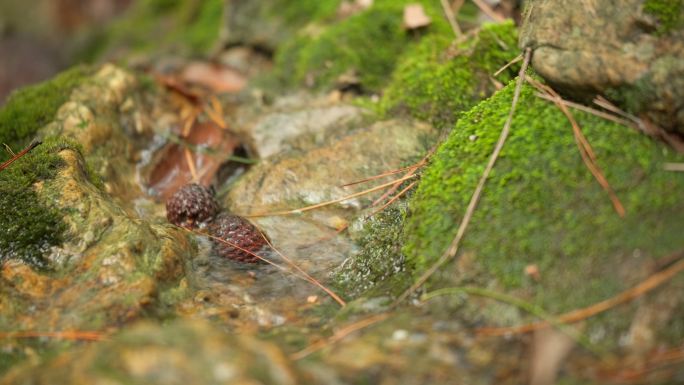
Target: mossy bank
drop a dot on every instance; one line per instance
(541, 205)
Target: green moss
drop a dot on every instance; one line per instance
(30, 108)
(367, 44)
(668, 12)
(30, 226)
(542, 206)
(380, 261)
(188, 26)
(436, 81)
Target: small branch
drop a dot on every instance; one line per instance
(642, 288)
(313, 348)
(475, 198)
(23, 152)
(451, 17)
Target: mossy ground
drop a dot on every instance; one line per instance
(30, 226)
(542, 206)
(30, 108)
(437, 79)
(367, 44)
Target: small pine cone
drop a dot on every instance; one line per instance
(191, 206)
(238, 231)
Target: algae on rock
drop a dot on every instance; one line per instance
(542, 206)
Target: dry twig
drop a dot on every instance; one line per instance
(475, 198)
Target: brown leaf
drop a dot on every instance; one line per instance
(172, 169)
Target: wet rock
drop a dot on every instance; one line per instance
(631, 52)
(181, 352)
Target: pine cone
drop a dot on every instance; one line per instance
(238, 231)
(191, 206)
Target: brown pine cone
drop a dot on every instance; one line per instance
(191, 206)
(239, 231)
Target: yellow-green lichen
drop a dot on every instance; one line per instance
(366, 45)
(30, 227)
(30, 108)
(437, 80)
(542, 206)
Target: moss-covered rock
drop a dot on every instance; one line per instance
(542, 206)
(366, 45)
(438, 79)
(30, 108)
(31, 226)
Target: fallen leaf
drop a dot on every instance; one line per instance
(172, 166)
(415, 17)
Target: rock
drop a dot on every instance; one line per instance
(295, 179)
(632, 52)
(294, 122)
(181, 352)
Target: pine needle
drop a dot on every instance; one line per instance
(21, 153)
(585, 149)
(328, 203)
